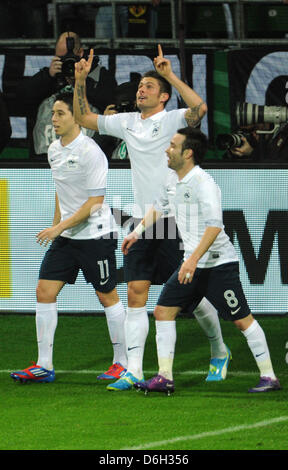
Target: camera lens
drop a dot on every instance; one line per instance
(228, 141)
(249, 113)
(68, 67)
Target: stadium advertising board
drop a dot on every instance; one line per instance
(255, 217)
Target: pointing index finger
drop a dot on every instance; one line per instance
(90, 58)
(160, 52)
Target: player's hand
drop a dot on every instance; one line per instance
(128, 242)
(161, 64)
(187, 271)
(110, 109)
(83, 67)
(55, 66)
(48, 234)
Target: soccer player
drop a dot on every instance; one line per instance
(210, 267)
(84, 236)
(147, 134)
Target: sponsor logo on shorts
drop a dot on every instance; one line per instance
(233, 312)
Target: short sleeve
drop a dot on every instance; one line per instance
(111, 125)
(161, 203)
(96, 170)
(209, 197)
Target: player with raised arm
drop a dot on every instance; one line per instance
(147, 134)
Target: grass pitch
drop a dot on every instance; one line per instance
(76, 412)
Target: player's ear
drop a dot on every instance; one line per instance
(188, 153)
(164, 97)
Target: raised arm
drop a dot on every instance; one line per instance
(196, 106)
(81, 109)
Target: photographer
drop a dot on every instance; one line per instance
(37, 93)
(262, 134)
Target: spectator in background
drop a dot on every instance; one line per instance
(5, 125)
(104, 23)
(153, 23)
(104, 20)
(73, 17)
(37, 93)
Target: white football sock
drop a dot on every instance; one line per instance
(166, 340)
(46, 323)
(208, 319)
(115, 317)
(257, 343)
(136, 331)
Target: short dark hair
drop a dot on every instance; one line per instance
(66, 97)
(195, 140)
(165, 86)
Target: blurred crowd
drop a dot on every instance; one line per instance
(35, 94)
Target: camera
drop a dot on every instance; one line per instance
(248, 113)
(69, 59)
(231, 141)
(125, 95)
(68, 63)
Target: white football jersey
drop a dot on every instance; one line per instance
(146, 141)
(196, 203)
(79, 171)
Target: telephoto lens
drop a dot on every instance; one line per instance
(249, 113)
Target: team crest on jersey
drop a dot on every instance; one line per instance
(187, 195)
(72, 162)
(156, 128)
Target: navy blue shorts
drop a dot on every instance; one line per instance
(220, 285)
(156, 255)
(94, 257)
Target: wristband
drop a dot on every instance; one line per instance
(139, 229)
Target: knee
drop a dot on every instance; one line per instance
(159, 313)
(108, 299)
(244, 323)
(44, 295)
(137, 294)
(165, 313)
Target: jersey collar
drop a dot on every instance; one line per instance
(154, 117)
(190, 174)
(75, 142)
